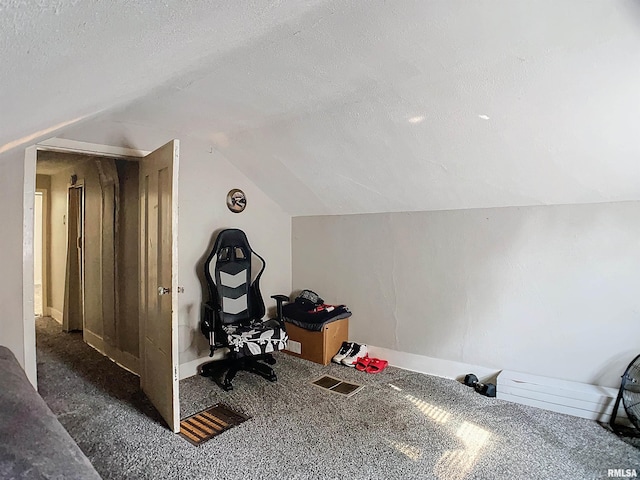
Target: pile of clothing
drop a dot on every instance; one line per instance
(309, 311)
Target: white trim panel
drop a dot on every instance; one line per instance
(73, 146)
(122, 359)
(28, 227)
(572, 398)
(55, 314)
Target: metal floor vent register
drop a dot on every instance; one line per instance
(336, 385)
(204, 425)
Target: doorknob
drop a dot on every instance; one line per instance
(164, 291)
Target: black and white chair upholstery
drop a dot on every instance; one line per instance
(233, 316)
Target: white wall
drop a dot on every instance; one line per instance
(550, 290)
(205, 180)
(11, 211)
(12, 329)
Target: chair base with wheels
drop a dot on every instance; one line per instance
(224, 371)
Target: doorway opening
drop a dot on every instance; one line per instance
(93, 250)
(137, 248)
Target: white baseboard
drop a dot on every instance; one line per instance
(430, 365)
(189, 369)
(55, 314)
(572, 398)
(124, 359)
(93, 340)
(578, 399)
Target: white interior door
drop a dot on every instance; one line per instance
(159, 281)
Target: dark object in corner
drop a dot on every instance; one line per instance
(470, 380)
(629, 395)
(486, 389)
(233, 314)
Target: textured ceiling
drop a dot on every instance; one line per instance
(351, 107)
(66, 60)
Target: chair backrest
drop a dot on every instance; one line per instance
(234, 283)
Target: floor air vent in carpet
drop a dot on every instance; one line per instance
(202, 426)
(337, 386)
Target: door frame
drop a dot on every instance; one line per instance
(30, 157)
(79, 185)
(44, 229)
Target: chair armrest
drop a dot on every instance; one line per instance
(280, 299)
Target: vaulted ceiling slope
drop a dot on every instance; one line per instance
(65, 60)
(352, 107)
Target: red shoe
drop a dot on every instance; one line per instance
(375, 365)
(363, 363)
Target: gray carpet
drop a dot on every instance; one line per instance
(402, 425)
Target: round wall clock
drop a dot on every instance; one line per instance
(236, 200)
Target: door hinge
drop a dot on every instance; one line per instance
(164, 291)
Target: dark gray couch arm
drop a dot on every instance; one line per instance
(33, 444)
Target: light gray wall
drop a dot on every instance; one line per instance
(11, 219)
(549, 290)
(205, 179)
